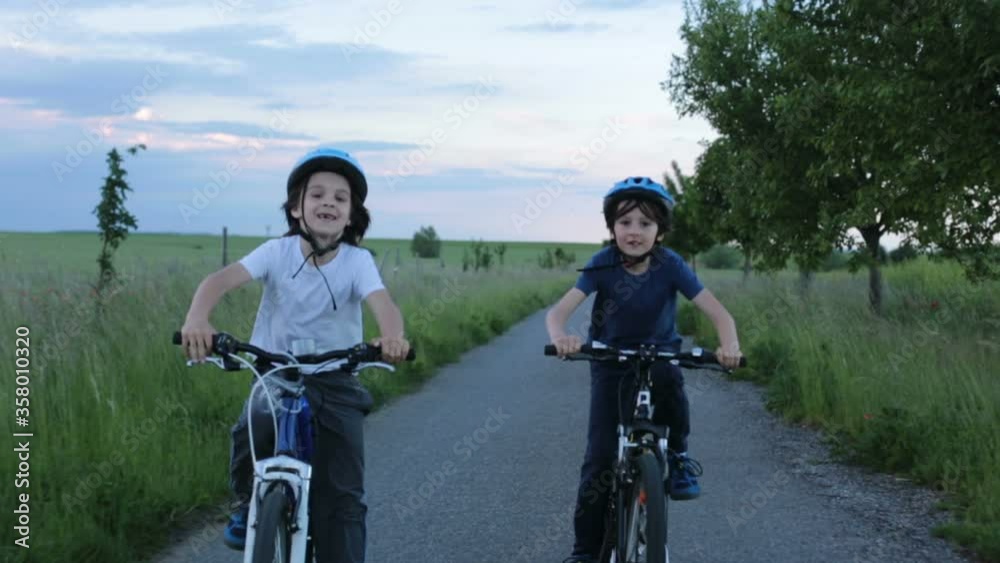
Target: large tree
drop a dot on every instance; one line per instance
(838, 104)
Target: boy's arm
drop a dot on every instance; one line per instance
(196, 335)
(725, 327)
(555, 322)
(390, 325)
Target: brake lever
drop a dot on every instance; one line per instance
(210, 359)
(383, 365)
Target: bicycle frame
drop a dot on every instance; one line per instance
(293, 472)
(290, 465)
(637, 435)
(633, 440)
(641, 421)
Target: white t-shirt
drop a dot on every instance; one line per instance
(301, 308)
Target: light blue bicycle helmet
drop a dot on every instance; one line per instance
(328, 159)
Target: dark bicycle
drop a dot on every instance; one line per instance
(278, 522)
(640, 470)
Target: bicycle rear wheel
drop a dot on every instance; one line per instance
(645, 537)
(273, 537)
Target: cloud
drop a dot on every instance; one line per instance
(623, 5)
(559, 27)
(230, 128)
(223, 62)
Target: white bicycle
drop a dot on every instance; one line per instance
(278, 521)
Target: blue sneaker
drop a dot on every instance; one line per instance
(235, 534)
(683, 470)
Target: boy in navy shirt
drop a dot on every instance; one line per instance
(636, 281)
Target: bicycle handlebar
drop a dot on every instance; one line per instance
(607, 353)
(225, 344)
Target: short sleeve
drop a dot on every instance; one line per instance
(587, 282)
(685, 279)
(261, 260)
(366, 277)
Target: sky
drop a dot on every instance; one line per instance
(500, 121)
(486, 120)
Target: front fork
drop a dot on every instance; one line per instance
(295, 475)
(624, 479)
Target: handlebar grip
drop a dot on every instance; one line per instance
(411, 355)
(550, 349)
(710, 357)
(178, 340)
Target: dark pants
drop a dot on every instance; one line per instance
(596, 474)
(337, 508)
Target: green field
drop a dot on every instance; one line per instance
(54, 254)
(915, 392)
(128, 439)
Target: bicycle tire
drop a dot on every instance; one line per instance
(273, 539)
(645, 538)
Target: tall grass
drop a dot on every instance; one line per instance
(127, 439)
(915, 392)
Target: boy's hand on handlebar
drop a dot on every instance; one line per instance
(729, 356)
(394, 350)
(565, 345)
(196, 339)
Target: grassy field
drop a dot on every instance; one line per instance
(127, 439)
(53, 255)
(915, 392)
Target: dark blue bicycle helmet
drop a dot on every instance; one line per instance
(640, 186)
(634, 188)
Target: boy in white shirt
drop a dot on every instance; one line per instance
(315, 278)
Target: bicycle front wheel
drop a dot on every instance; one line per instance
(272, 542)
(645, 537)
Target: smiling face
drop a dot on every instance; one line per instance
(325, 207)
(635, 232)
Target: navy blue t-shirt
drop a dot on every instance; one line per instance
(634, 309)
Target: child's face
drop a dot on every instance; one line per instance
(635, 233)
(327, 204)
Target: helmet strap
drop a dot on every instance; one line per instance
(318, 250)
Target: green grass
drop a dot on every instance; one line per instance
(128, 440)
(54, 255)
(914, 392)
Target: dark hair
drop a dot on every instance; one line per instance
(650, 207)
(353, 233)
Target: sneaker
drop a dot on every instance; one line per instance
(682, 484)
(235, 534)
(579, 559)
